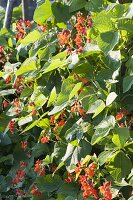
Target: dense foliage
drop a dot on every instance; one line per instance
(66, 109)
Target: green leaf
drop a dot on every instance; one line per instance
(74, 154)
(24, 120)
(31, 37)
(7, 92)
(68, 190)
(120, 136)
(4, 120)
(110, 98)
(75, 90)
(43, 123)
(30, 126)
(60, 12)
(59, 150)
(96, 107)
(103, 22)
(120, 166)
(54, 65)
(5, 158)
(26, 92)
(49, 183)
(127, 83)
(76, 131)
(28, 65)
(43, 12)
(94, 5)
(57, 109)
(125, 24)
(103, 129)
(77, 5)
(40, 149)
(105, 156)
(107, 41)
(52, 97)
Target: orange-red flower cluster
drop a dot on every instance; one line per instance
(19, 192)
(45, 139)
(24, 145)
(22, 26)
(105, 190)
(78, 108)
(36, 192)
(39, 168)
(16, 105)
(69, 179)
(11, 126)
(87, 187)
(18, 177)
(8, 79)
(91, 170)
(5, 104)
(43, 28)
(58, 123)
(18, 85)
(64, 37)
(2, 54)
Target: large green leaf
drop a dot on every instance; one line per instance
(43, 12)
(52, 97)
(94, 5)
(103, 22)
(76, 131)
(77, 5)
(125, 24)
(120, 166)
(7, 92)
(103, 129)
(96, 107)
(54, 65)
(68, 190)
(28, 65)
(105, 156)
(4, 120)
(74, 154)
(127, 83)
(60, 12)
(49, 183)
(120, 136)
(107, 41)
(110, 98)
(31, 37)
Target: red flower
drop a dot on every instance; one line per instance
(1, 49)
(87, 187)
(22, 164)
(18, 177)
(40, 168)
(105, 190)
(11, 126)
(8, 79)
(36, 192)
(119, 116)
(24, 145)
(64, 37)
(78, 40)
(69, 179)
(91, 170)
(19, 192)
(45, 139)
(5, 103)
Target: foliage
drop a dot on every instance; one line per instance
(66, 111)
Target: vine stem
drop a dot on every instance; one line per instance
(25, 10)
(8, 15)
